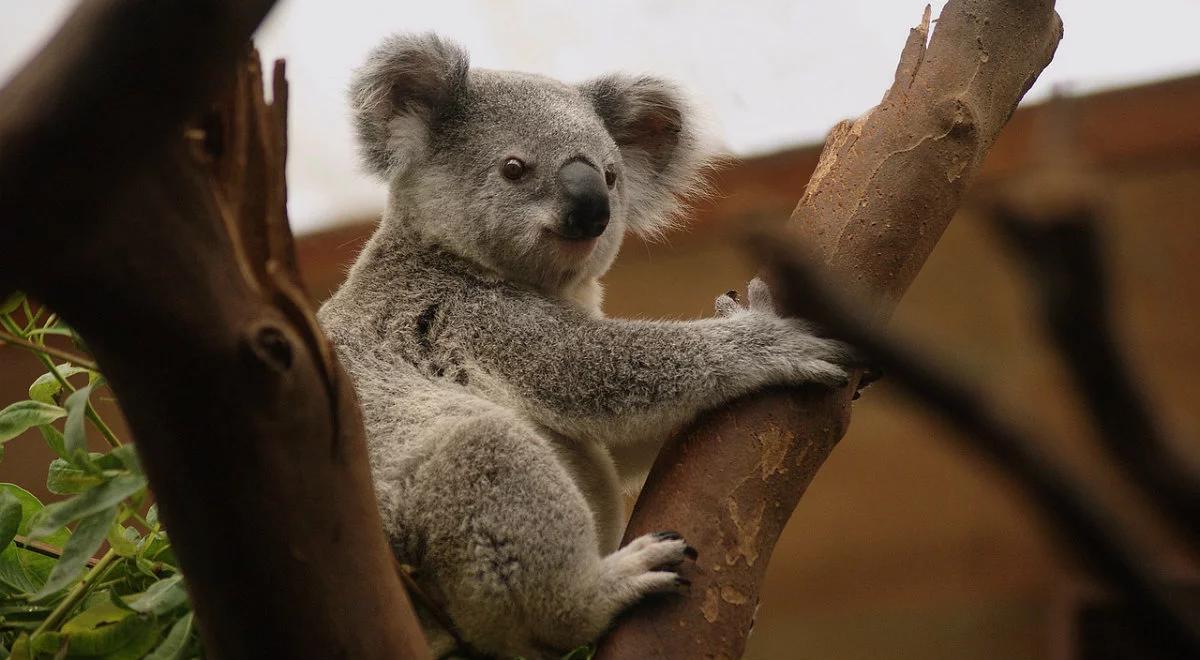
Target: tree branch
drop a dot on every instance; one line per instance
(175, 263)
(883, 192)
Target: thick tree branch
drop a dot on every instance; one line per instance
(114, 82)
(885, 189)
(175, 263)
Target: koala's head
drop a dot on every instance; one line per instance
(532, 178)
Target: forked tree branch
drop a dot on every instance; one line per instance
(884, 190)
(173, 258)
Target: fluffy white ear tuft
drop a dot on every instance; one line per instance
(664, 144)
(406, 85)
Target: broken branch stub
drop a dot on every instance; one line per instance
(884, 190)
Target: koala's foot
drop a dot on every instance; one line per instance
(647, 565)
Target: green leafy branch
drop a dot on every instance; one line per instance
(57, 600)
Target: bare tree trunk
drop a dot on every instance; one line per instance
(175, 262)
(882, 194)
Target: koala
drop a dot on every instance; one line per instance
(504, 412)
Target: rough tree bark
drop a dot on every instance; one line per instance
(885, 188)
(174, 260)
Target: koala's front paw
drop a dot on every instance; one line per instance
(809, 358)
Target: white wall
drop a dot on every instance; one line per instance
(774, 73)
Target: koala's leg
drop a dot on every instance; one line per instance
(510, 544)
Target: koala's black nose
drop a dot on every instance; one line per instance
(587, 200)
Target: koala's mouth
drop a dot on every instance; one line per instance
(575, 246)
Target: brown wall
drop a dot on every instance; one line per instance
(904, 547)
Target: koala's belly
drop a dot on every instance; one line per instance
(591, 468)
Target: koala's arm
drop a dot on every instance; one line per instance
(625, 381)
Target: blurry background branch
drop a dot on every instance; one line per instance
(1052, 223)
(1075, 518)
(885, 188)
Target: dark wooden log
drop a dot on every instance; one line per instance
(167, 247)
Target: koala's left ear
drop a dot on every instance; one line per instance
(663, 145)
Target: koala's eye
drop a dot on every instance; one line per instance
(513, 169)
(610, 178)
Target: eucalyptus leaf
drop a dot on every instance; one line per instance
(128, 458)
(175, 644)
(88, 536)
(102, 612)
(74, 434)
(143, 640)
(63, 478)
(102, 497)
(162, 596)
(54, 439)
(11, 302)
(104, 629)
(46, 643)
(10, 518)
(23, 571)
(24, 415)
(46, 386)
(120, 542)
(20, 649)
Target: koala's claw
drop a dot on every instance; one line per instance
(727, 305)
(760, 297)
(760, 301)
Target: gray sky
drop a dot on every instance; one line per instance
(772, 73)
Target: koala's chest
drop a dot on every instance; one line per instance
(420, 333)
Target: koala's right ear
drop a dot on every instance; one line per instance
(408, 82)
(663, 141)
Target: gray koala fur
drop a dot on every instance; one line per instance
(504, 412)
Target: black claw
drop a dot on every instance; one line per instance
(668, 536)
(683, 582)
(691, 553)
(732, 293)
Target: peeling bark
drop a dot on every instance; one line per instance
(885, 189)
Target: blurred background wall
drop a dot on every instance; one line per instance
(903, 547)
